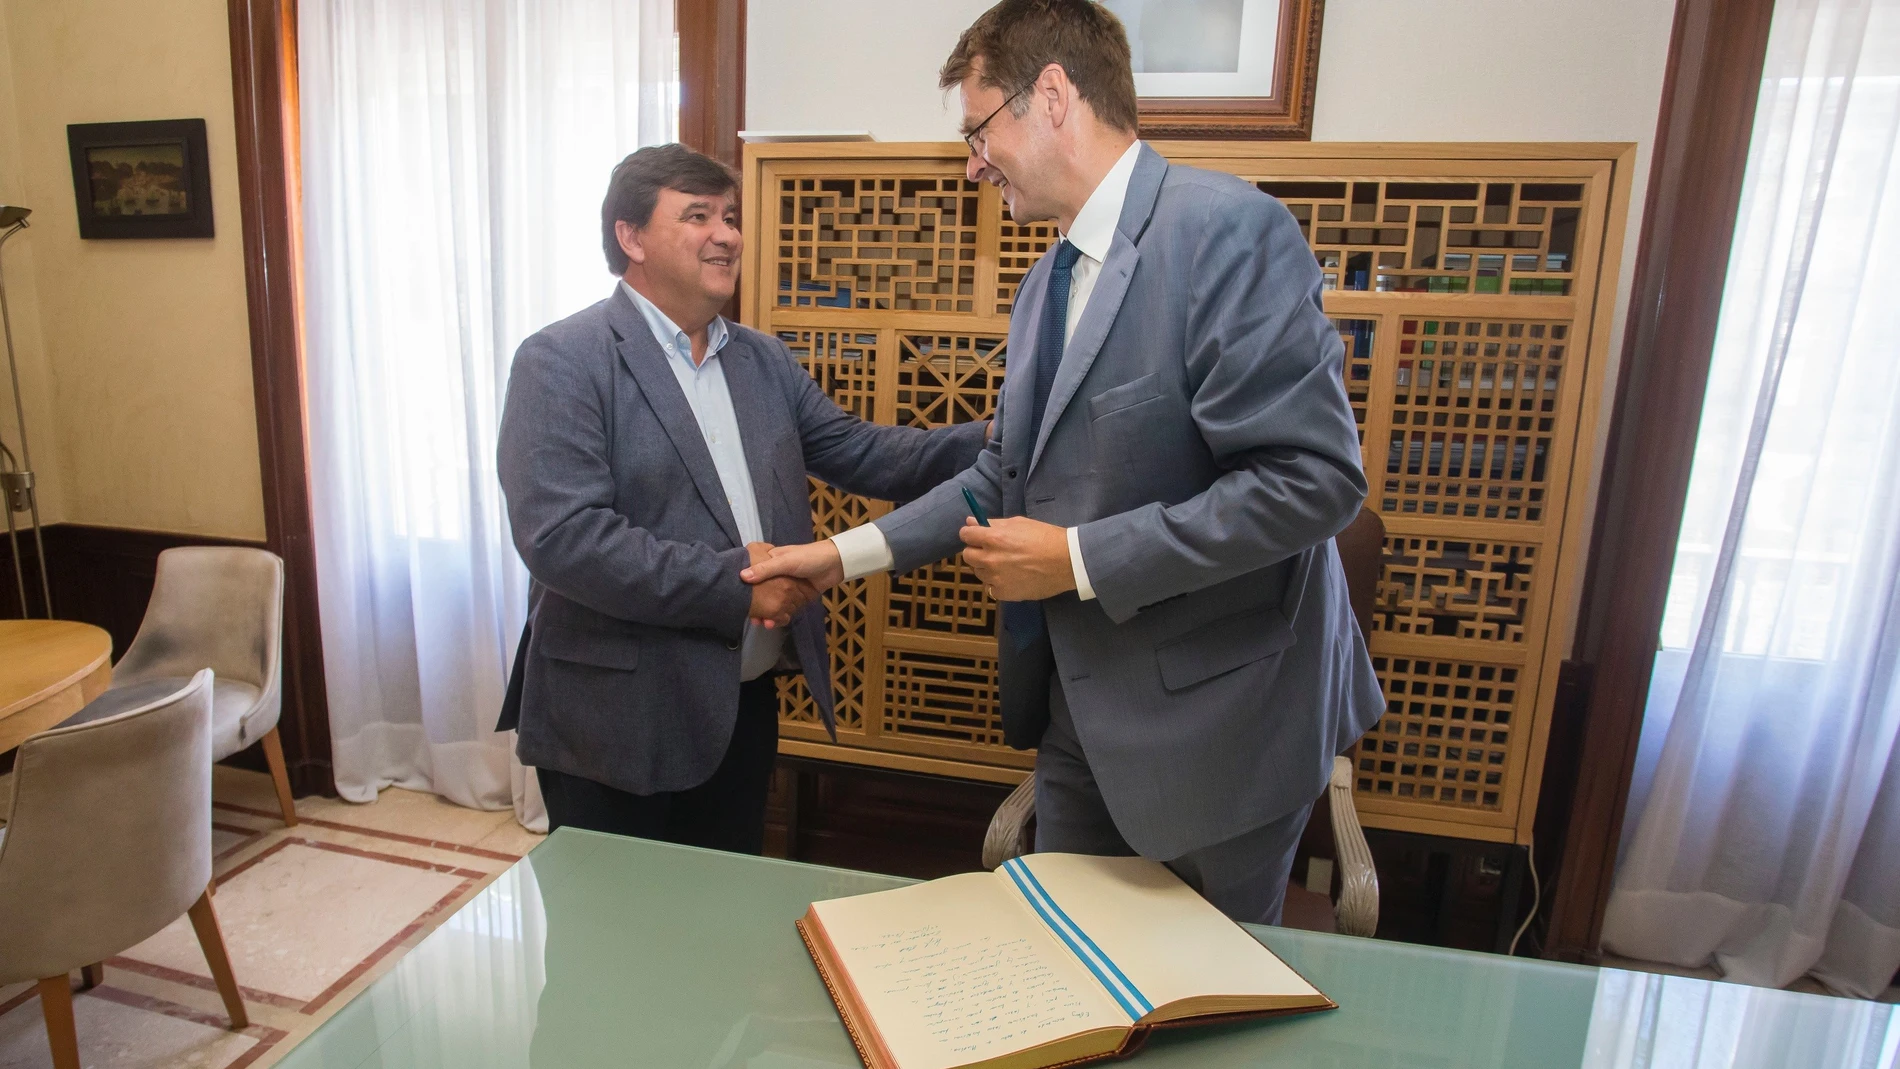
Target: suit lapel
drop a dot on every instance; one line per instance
(1019, 381)
(646, 361)
(1105, 300)
(751, 403)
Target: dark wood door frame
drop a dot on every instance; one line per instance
(712, 84)
(712, 75)
(1716, 52)
(264, 88)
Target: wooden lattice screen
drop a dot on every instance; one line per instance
(1472, 286)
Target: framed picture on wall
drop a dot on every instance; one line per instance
(1224, 68)
(141, 179)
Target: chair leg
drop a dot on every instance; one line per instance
(274, 756)
(56, 1005)
(92, 976)
(205, 922)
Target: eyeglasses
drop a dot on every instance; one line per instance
(976, 132)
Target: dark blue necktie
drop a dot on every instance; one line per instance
(1023, 619)
(1049, 340)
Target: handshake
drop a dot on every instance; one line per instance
(1016, 558)
(785, 579)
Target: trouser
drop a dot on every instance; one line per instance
(1244, 877)
(727, 812)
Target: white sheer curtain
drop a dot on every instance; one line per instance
(1766, 835)
(455, 153)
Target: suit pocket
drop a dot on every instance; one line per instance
(602, 649)
(1222, 646)
(1127, 395)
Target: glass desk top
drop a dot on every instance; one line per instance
(601, 951)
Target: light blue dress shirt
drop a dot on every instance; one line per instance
(705, 388)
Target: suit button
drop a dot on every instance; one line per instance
(1010, 474)
(732, 645)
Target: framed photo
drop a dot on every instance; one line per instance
(141, 179)
(1224, 68)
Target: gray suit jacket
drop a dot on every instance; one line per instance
(1199, 435)
(630, 676)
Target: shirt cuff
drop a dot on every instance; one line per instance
(1083, 588)
(863, 550)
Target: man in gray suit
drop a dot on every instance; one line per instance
(1173, 454)
(649, 451)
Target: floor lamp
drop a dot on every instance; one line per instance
(16, 477)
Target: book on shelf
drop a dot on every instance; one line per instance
(1051, 960)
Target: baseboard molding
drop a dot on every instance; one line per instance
(103, 576)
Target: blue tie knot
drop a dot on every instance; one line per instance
(1066, 255)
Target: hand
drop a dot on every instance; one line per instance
(816, 563)
(776, 601)
(1019, 558)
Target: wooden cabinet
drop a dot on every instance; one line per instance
(1473, 287)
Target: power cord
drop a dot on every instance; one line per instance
(1537, 894)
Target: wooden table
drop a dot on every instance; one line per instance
(49, 670)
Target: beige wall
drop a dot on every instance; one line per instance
(135, 354)
(17, 262)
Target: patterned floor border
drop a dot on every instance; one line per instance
(469, 879)
(265, 1038)
(261, 836)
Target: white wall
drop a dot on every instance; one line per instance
(1491, 70)
(1500, 70)
(1389, 70)
(1409, 70)
(852, 65)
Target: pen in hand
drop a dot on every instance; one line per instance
(976, 510)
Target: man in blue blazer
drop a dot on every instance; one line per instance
(1173, 455)
(649, 451)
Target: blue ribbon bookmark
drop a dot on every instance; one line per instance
(1132, 1001)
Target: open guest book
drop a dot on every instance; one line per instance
(1051, 960)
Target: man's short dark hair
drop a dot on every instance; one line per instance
(635, 188)
(1016, 39)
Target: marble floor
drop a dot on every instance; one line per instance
(310, 915)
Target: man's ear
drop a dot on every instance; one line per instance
(1054, 86)
(629, 238)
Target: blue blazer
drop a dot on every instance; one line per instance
(1199, 435)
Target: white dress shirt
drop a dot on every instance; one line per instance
(706, 394)
(864, 550)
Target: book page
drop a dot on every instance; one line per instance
(957, 971)
(1168, 943)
